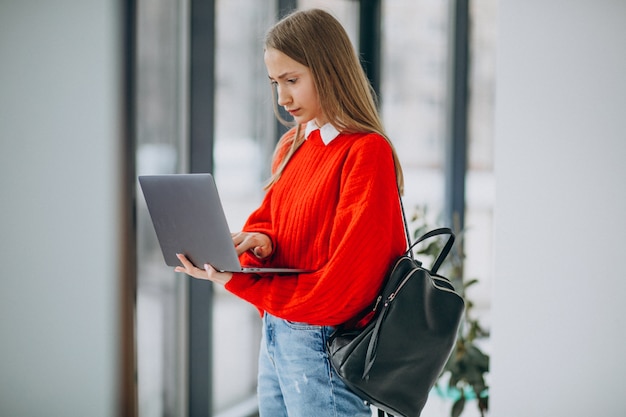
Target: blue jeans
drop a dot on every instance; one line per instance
(296, 378)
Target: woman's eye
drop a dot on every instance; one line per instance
(292, 80)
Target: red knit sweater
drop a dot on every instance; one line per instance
(334, 211)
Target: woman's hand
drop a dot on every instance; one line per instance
(208, 273)
(258, 243)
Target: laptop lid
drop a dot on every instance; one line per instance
(188, 218)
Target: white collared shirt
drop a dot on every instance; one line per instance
(327, 132)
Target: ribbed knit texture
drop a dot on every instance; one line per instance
(334, 211)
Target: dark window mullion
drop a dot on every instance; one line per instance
(456, 145)
(201, 139)
(370, 40)
(283, 8)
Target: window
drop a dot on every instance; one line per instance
(244, 142)
(414, 94)
(160, 132)
(414, 107)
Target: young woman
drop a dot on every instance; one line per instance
(331, 207)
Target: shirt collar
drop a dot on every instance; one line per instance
(327, 132)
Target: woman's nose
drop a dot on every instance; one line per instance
(283, 97)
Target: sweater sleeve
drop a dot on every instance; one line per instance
(367, 235)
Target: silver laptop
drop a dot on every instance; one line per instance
(188, 218)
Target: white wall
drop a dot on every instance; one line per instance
(559, 338)
(59, 207)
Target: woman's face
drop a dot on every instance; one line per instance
(294, 87)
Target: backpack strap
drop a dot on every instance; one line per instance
(446, 249)
(406, 226)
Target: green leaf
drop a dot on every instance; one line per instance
(454, 379)
(483, 403)
(457, 407)
(469, 283)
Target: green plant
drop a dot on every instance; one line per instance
(466, 368)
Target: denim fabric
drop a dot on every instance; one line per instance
(296, 378)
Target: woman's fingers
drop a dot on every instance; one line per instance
(259, 243)
(238, 237)
(215, 276)
(189, 268)
(208, 273)
(262, 251)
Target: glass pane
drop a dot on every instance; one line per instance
(244, 142)
(414, 94)
(480, 177)
(159, 317)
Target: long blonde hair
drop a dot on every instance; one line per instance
(317, 40)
